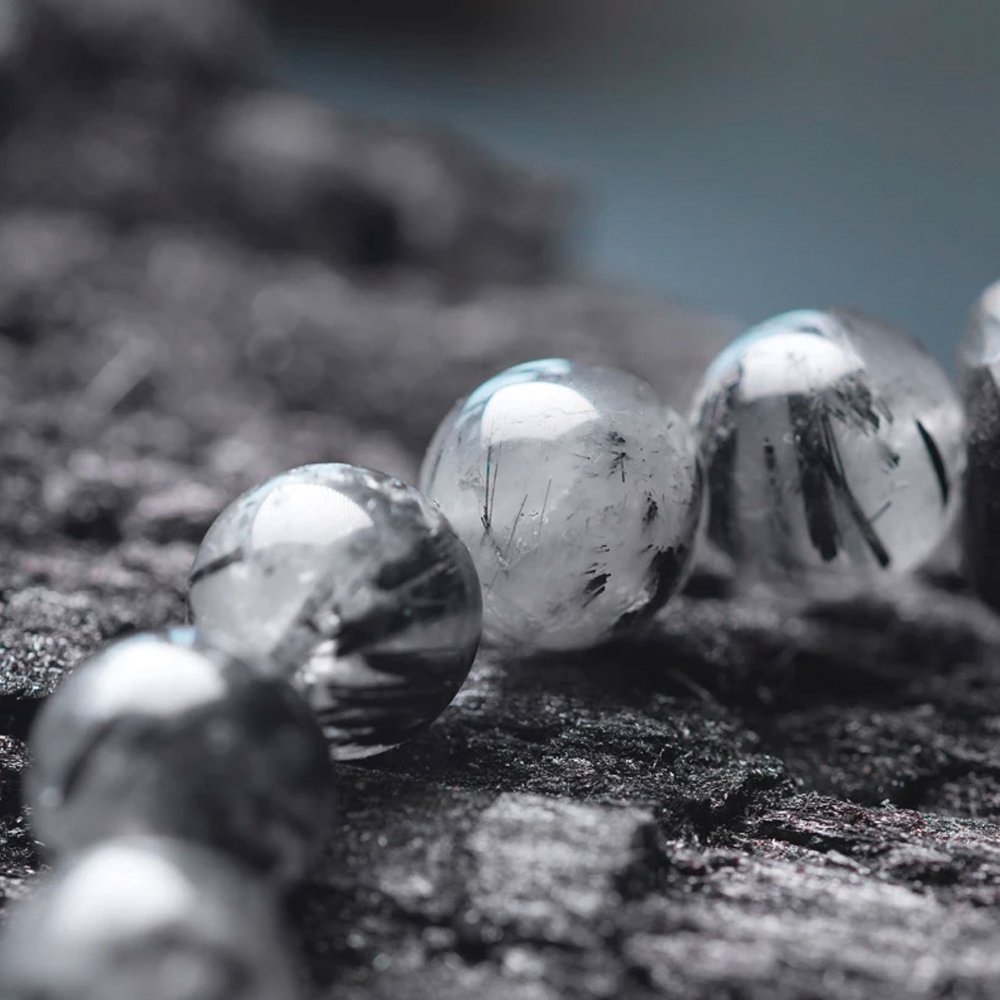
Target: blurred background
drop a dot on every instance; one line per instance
(742, 156)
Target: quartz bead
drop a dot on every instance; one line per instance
(980, 359)
(146, 918)
(579, 495)
(833, 449)
(354, 586)
(167, 733)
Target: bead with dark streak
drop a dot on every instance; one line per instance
(981, 515)
(146, 918)
(833, 449)
(355, 587)
(168, 733)
(579, 495)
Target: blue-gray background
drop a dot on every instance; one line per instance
(746, 156)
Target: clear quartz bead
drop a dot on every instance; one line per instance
(833, 450)
(981, 345)
(579, 495)
(146, 918)
(980, 361)
(355, 587)
(169, 734)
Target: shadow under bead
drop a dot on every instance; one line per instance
(146, 918)
(352, 585)
(170, 734)
(833, 450)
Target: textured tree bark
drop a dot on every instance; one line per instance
(204, 280)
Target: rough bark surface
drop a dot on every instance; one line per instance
(205, 280)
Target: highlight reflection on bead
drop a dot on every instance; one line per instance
(833, 448)
(579, 495)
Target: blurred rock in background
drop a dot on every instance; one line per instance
(750, 156)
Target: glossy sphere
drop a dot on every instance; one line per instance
(145, 918)
(578, 494)
(833, 448)
(981, 516)
(354, 586)
(981, 345)
(164, 733)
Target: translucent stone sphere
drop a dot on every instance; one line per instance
(981, 345)
(148, 918)
(981, 516)
(354, 586)
(833, 449)
(166, 733)
(579, 495)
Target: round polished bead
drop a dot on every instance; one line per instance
(980, 357)
(833, 449)
(579, 495)
(149, 918)
(166, 733)
(981, 345)
(354, 586)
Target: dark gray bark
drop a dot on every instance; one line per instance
(210, 280)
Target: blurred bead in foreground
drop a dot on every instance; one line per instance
(146, 918)
(166, 733)
(579, 495)
(833, 448)
(351, 584)
(980, 360)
